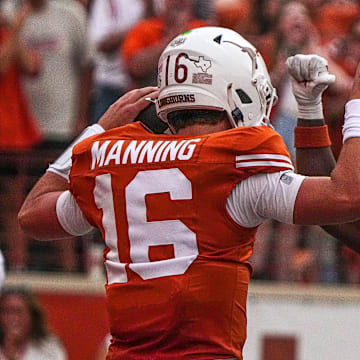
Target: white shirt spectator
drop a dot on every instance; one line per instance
(59, 34)
(107, 17)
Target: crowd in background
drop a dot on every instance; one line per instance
(63, 62)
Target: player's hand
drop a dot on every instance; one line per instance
(310, 78)
(128, 107)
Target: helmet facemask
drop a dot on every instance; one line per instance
(266, 92)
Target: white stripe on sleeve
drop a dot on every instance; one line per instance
(281, 164)
(70, 216)
(263, 156)
(253, 160)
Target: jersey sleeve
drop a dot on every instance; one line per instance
(261, 149)
(264, 196)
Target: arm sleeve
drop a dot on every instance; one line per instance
(70, 216)
(264, 196)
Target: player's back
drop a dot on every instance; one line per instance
(176, 262)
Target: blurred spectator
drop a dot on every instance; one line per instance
(335, 17)
(265, 17)
(204, 10)
(2, 270)
(274, 250)
(345, 51)
(86, 3)
(297, 34)
(108, 25)
(23, 332)
(234, 14)
(146, 40)
(18, 130)
(303, 254)
(294, 34)
(59, 96)
(314, 7)
(350, 267)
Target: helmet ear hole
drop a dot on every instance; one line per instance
(244, 97)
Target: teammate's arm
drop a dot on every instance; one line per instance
(320, 161)
(334, 199)
(313, 154)
(49, 211)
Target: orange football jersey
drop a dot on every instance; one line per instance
(176, 262)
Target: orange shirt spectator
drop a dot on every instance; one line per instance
(145, 42)
(18, 129)
(235, 14)
(149, 32)
(336, 18)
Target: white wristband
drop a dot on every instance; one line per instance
(62, 164)
(310, 112)
(351, 127)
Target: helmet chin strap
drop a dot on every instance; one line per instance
(172, 130)
(236, 115)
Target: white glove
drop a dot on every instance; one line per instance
(310, 78)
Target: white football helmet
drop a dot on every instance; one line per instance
(217, 69)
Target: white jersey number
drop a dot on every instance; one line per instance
(142, 233)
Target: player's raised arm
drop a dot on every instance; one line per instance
(50, 211)
(310, 79)
(313, 153)
(334, 199)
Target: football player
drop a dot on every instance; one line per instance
(179, 213)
